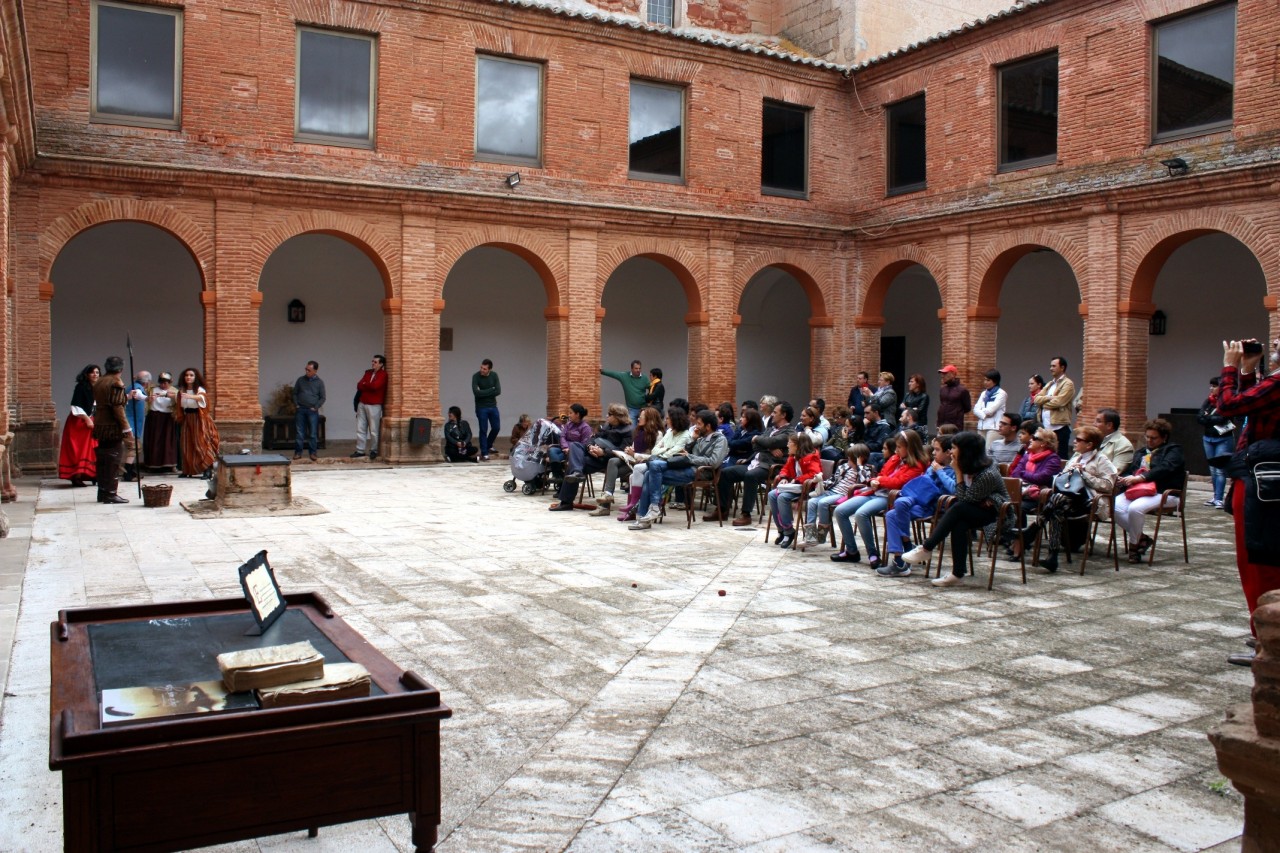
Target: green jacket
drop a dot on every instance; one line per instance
(486, 389)
(633, 387)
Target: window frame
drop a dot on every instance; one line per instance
(1031, 162)
(648, 14)
(1201, 129)
(512, 159)
(300, 135)
(104, 117)
(781, 192)
(682, 90)
(890, 159)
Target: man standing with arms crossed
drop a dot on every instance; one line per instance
(1057, 403)
(371, 393)
(308, 398)
(486, 387)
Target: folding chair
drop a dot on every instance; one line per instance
(706, 479)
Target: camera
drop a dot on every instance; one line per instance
(1253, 347)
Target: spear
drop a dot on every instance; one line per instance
(137, 439)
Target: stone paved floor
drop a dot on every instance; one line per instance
(606, 698)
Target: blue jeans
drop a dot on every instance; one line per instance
(844, 515)
(487, 426)
(819, 509)
(635, 415)
(657, 475)
(780, 507)
(306, 424)
(1220, 446)
(865, 518)
(898, 522)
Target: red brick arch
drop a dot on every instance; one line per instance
(998, 259)
(682, 263)
(1141, 264)
(794, 265)
(902, 260)
(546, 260)
(380, 249)
(63, 229)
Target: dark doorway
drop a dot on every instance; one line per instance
(893, 358)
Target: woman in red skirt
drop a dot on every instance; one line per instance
(77, 460)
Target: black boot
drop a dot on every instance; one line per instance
(130, 473)
(1051, 564)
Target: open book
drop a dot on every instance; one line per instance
(630, 458)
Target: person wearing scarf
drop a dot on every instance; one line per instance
(990, 407)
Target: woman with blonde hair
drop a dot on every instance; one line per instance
(1098, 477)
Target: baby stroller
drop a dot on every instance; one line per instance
(529, 457)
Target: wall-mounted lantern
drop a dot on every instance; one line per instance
(1159, 323)
(298, 312)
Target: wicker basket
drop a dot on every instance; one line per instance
(157, 495)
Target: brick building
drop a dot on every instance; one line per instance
(559, 189)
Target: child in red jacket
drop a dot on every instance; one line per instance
(803, 465)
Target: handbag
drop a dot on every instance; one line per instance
(1141, 490)
(1069, 482)
(679, 462)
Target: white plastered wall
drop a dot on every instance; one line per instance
(911, 310)
(1039, 320)
(342, 291)
(1211, 290)
(645, 307)
(118, 278)
(774, 340)
(494, 303)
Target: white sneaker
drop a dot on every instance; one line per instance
(946, 580)
(654, 513)
(642, 523)
(917, 556)
(604, 499)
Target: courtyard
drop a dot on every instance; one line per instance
(607, 697)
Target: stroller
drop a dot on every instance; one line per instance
(529, 457)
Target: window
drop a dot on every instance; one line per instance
(1195, 72)
(661, 12)
(784, 150)
(1029, 112)
(335, 97)
(136, 69)
(508, 109)
(656, 135)
(905, 121)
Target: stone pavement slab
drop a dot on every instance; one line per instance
(607, 697)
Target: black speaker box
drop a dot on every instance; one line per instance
(419, 431)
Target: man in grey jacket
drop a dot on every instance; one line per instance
(771, 448)
(709, 448)
(308, 398)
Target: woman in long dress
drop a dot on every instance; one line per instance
(77, 459)
(160, 436)
(199, 434)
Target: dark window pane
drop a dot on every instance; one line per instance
(906, 144)
(1195, 70)
(784, 148)
(136, 65)
(661, 12)
(657, 129)
(1029, 110)
(334, 85)
(508, 108)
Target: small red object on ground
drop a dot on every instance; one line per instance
(633, 586)
(721, 592)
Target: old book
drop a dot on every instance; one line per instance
(340, 681)
(169, 701)
(270, 666)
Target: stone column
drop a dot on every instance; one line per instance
(968, 329)
(1248, 740)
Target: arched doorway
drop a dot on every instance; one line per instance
(341, 290)
(774, 340)
(494, 308)
(644, 306)
(123, 278)
(1192, 287)
(911, 337)
(1039, 302)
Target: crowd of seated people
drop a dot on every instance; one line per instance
(882, 458)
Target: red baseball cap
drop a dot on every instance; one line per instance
(948, 368)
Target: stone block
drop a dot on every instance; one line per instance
(254, 481)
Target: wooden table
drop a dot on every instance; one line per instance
(213, 778)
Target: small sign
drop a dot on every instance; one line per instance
(262, 591)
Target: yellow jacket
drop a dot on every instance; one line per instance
(1058, 403)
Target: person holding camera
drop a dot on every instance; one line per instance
(1218, 439)
(1243, 393)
